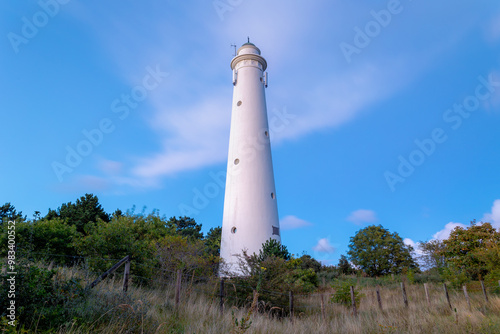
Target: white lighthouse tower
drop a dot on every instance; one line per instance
(250, 208)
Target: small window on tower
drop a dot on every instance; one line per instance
(272, 195)
(236, 161)
(266, 133)
(276, 230)
(239, 103)
(233, 230)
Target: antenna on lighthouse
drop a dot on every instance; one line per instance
(234, 45)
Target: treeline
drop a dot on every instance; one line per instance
(83, 234)
(84, 230)
(468, 254)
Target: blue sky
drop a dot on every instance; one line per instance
(384, 112)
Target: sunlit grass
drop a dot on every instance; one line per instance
(151, 310)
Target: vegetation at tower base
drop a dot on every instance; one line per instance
(273, 273)
(212, 241)
(379, 252)
(273, 247)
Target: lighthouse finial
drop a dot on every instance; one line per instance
(248, 39)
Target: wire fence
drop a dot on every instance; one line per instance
(229, 292)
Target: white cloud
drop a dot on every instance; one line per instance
(293, 222)
(494, 216)
(361, 216)
(415, 245)
(324, 246)
(445, 233)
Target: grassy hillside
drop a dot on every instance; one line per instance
(151, 309)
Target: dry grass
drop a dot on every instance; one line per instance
(146, 310)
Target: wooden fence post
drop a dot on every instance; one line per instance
(178, 288)
(222, 295)
(403, 290)
(353, 301)
(467, 297)
(426, 288)
(484, 291)
(290, 304)
(379, 299)
(447, 296)
(126, 274)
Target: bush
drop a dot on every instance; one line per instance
(272, 278)
(342, 294)
(43, 300)
(106, 243)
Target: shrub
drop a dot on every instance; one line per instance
(43, 300)
(342, 294)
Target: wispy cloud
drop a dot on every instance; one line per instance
(192, 108)
(293, 222)
(193, 137)
(361, 216)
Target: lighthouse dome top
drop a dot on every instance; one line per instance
(249, 51)
(248, 48)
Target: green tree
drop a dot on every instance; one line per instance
(344, 266)
(86, 210)
(273, 247)
(133, 235)
(178, 252)
(309, 262)
(212, 240)
(54, 236)
(186, 227)
(490, 255)
(9, 212)
(379, 252)
(432, 254)
(463, 247)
